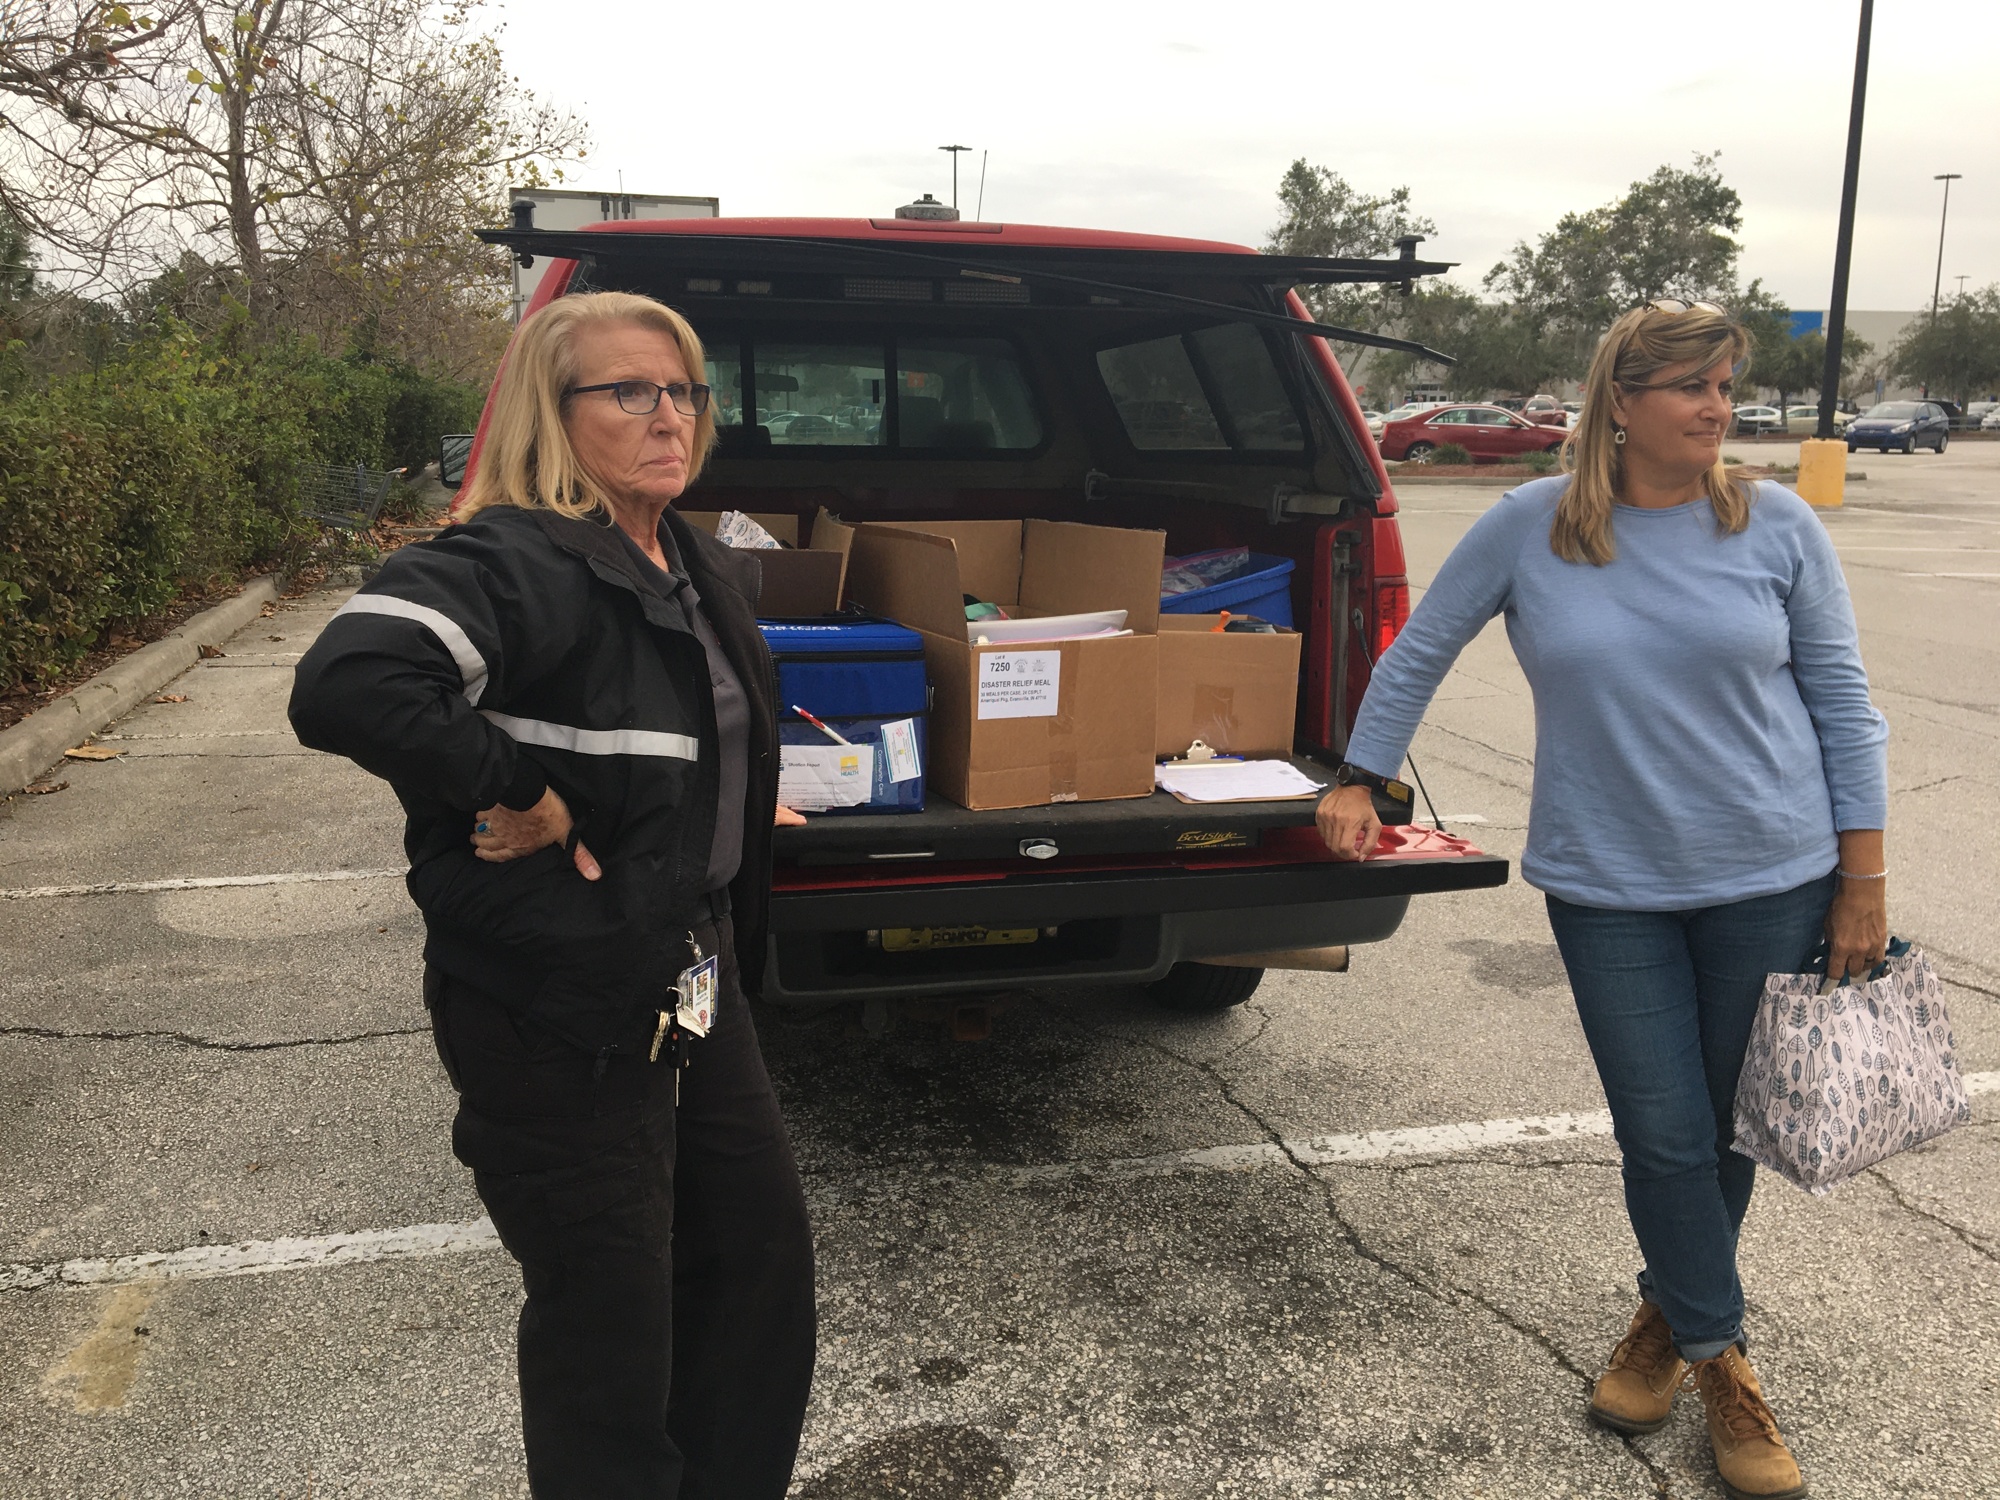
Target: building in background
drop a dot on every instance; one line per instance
(1881, 329)
(570, 208)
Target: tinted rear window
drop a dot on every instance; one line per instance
(1215, 390)
(929, 394)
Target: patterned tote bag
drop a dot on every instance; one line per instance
(1835, 1082)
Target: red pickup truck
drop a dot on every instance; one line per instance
(917, 369)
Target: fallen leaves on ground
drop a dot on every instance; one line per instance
(44, 788)
(210, 652)
(171, 698)
(92, 752)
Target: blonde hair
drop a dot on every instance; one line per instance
(1630, 357)
(527, 459)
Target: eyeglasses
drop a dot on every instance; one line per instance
(1681, 305)
(642, 397)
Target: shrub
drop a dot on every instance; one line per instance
(1450, 453)
(1542, 463)
(172, 468)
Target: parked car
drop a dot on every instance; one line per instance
(1489, 433)
(1990, 422)
(1751, 421)
(1806, 419)
(1545, 410)
(1904, 426)
(1976, 413)
(1374, 419)
(1410, 409)
(1201, 421)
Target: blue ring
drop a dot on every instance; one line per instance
(480, 829)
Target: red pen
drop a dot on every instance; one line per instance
(832, 734)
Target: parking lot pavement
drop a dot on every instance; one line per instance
(1360, 1237)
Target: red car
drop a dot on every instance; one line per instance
(1489, 433)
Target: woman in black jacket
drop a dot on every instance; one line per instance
(570, 697)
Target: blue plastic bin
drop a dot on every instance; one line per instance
(856, 674)
(1265, 591)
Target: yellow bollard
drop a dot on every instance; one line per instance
(1822, 472)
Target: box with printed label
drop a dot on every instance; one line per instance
(1236, 692)
(1020, 722)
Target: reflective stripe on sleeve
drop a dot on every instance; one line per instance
(595, 741)
(471, 665)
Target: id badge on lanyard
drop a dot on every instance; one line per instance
(695, 991)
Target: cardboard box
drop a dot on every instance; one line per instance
(1235, 693)
(798, 580)
(1022, 726)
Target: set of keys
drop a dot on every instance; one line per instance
(693, 1012)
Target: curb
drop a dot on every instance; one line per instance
(38, 741)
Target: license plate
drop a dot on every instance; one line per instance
(924, 939)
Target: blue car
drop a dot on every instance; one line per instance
(1903, 426)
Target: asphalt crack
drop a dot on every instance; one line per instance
(1472, 739)
(204, 1043)
(1351, 1236)
(1967, 1237)
(1925, 786)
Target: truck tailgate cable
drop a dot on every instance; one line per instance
(1361, 640)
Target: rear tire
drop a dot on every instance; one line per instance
(1193, 989)
(1420, 453)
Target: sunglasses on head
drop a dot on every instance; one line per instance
(1681, 305)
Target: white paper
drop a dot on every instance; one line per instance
(1046, 628)
(1235, 780)
(1019, 684)
(812, 778)
(899, 750)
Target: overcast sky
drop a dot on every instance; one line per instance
(1180, 118)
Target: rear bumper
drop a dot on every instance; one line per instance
(1128, 927)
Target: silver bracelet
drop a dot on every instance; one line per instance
(1850, 875)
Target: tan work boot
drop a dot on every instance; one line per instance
(1636, 1392)
(1750, 1454)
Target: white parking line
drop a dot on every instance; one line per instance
(192, 883)
(425, 1241)
(258, 1257)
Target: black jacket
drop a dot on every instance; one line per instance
(520, 650)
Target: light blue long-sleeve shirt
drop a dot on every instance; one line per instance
(1702, 719)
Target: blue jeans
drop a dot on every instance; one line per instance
(1667, 1000)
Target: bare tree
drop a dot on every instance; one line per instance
(312, 146)
(64, 177)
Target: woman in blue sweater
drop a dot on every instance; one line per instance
(1710, 792)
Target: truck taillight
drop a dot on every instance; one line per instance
(1392, 612)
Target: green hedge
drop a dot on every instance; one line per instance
(174, 467)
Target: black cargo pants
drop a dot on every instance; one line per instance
(666, 1345)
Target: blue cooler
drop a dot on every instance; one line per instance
(863, 677)
(1264, 591)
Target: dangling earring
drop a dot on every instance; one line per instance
(1618, 436)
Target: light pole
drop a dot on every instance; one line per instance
(1947, 178)
(1843, 249)
(954, 150)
